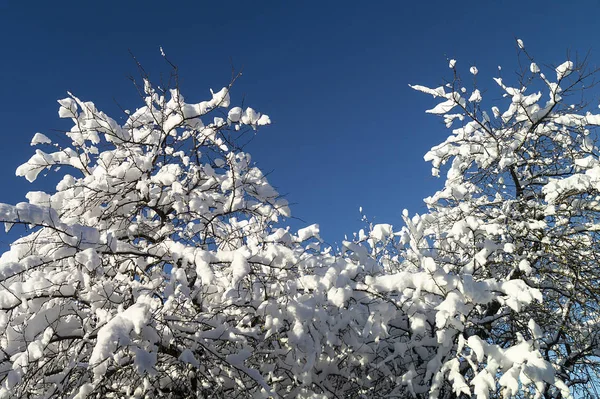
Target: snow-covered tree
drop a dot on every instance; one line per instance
(520, 206)
(149, 270)
(160, 266)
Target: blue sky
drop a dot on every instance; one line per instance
(332, 75)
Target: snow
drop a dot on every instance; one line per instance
(167, 175)
(117, 332)
(442, 108)
(593, 119)
(495, 111)
(535, 329)
(84, 391)
(240, 268)
(235, 114)
(308, 232)
(509, 248)
(187, 356)
(250, 117)
(483, 383)
(381, 231)
(339, 296)
(220, 98)
(534, 68)
(68, 108)
(89, 258)
(525, 266)
(439, 92)
(263, 120)
(475, 96)
(564, 70)
(39, 138)
(28, 213)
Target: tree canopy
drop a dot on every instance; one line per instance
(160, 266)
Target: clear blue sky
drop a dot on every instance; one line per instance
(333, 76)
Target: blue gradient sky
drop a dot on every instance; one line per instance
(333, 76)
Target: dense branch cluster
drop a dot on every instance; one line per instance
(160, 267)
